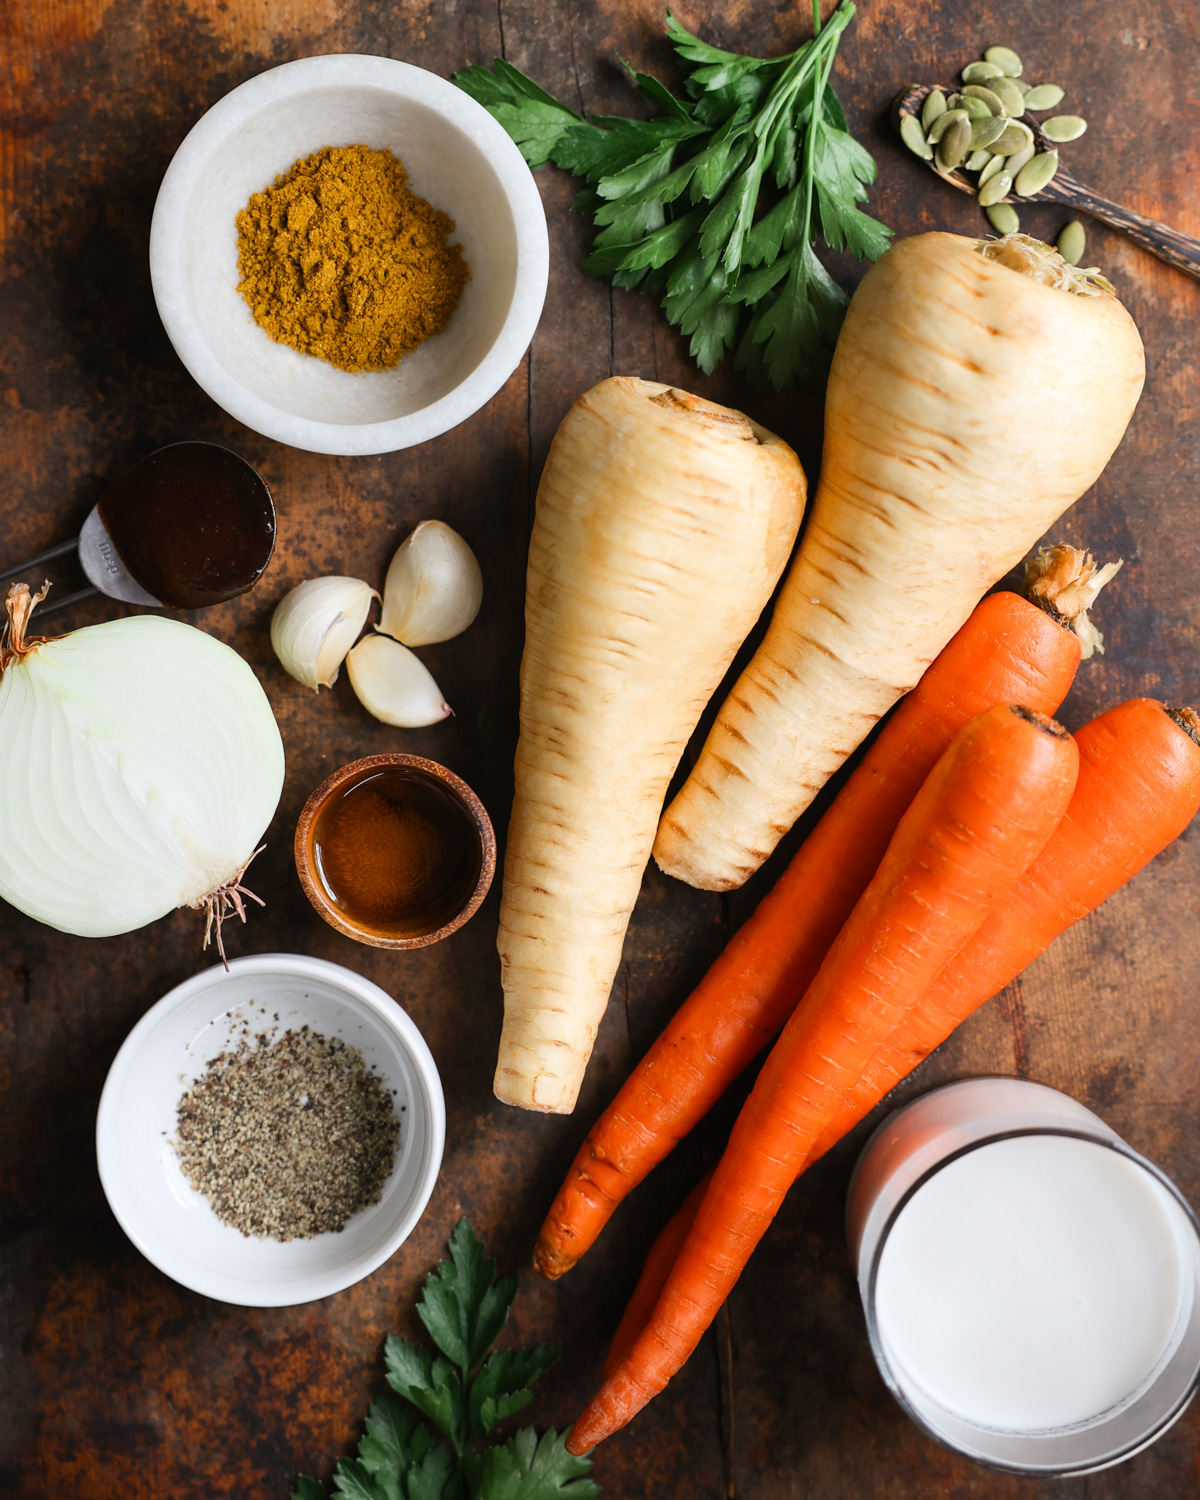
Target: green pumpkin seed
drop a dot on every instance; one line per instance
(980, 72)
(1072, 242)
(995, 188)
(954, 145)
(996, 164)
(1064, 127)
(1014, 138)
(1035, 174)
(1003, 218)
(954, 101)
(984, 132)
(934, 106)
(1009, 95)
(1024, 87)
(1043, 96)
(1015, 163)
(914, 138)
(1006, 60)
(977, 160)
(943, 123)
(976, 109)
(979, 91)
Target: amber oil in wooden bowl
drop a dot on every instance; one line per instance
(395, 851)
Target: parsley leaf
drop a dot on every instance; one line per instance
(464, 1392)
(678, 199)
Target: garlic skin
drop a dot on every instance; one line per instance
(394, 685)
(316, 624)
(433, 588)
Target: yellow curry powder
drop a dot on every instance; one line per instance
(342, 261)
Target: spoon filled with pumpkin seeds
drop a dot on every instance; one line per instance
(982, 138)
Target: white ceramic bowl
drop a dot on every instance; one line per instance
(168, 1220)
(457, 157)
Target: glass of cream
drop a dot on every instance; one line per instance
(1031, 1284)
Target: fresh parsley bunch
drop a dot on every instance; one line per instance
(677, 199)
(464, 1392)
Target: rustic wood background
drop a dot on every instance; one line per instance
(117, 1382)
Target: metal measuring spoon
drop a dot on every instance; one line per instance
(193, 524)
(1168, 244)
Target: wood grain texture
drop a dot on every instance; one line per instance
(117, 1382)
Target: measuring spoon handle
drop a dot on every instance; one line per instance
(1177, 249)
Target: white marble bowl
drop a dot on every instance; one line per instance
(168, 1220)
(457, 157)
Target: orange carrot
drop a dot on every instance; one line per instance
(1138, 789)
(654, 1275)
(1008, 651)
(983, 815)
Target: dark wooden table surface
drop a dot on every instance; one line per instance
(115, 1381)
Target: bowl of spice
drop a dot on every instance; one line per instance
(395, 851)
(271, 1133)
(349, 254)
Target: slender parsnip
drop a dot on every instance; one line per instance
(977, 390)
(663, 523)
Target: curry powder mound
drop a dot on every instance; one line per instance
(342, 261)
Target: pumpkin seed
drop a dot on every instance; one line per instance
(979, 91)
(1014, 138)
(980, 72)
(1006, 60)
(954, 101)
(1009, 95)
(994, 189)
(977, 160)
(1064, 127)
(996, 164)
(976, 109)
(1003, 218)
(1024, 87)
(943, 123)
(1072, 242)
(984, 132)
(1043, 96)
(914, 138)
(954, 145)
(1035, 174)
(934, 106)
(1015, 163)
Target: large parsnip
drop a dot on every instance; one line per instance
(663, 523)
(977, 390)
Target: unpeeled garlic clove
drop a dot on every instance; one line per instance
(433, 588)
(316, 624)
(394, 685)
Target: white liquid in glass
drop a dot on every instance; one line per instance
(1033, 1283)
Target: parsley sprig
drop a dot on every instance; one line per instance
(464, 1392)
(679, 200)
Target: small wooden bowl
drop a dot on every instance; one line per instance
(306, 859)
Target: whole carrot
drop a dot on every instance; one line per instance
(1008, 651)
(1138, 789)
(983, 815)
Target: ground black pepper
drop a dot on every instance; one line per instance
(289, 1137)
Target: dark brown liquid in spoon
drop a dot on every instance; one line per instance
(193, 523)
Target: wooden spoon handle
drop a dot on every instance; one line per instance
(1177, 249)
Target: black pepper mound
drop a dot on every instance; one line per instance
(288, 1138)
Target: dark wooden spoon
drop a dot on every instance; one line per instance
(1168, 244)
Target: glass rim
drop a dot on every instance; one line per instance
(1111, 1143)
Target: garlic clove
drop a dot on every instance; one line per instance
(433, 588)
(394, 685)
(316, 624)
